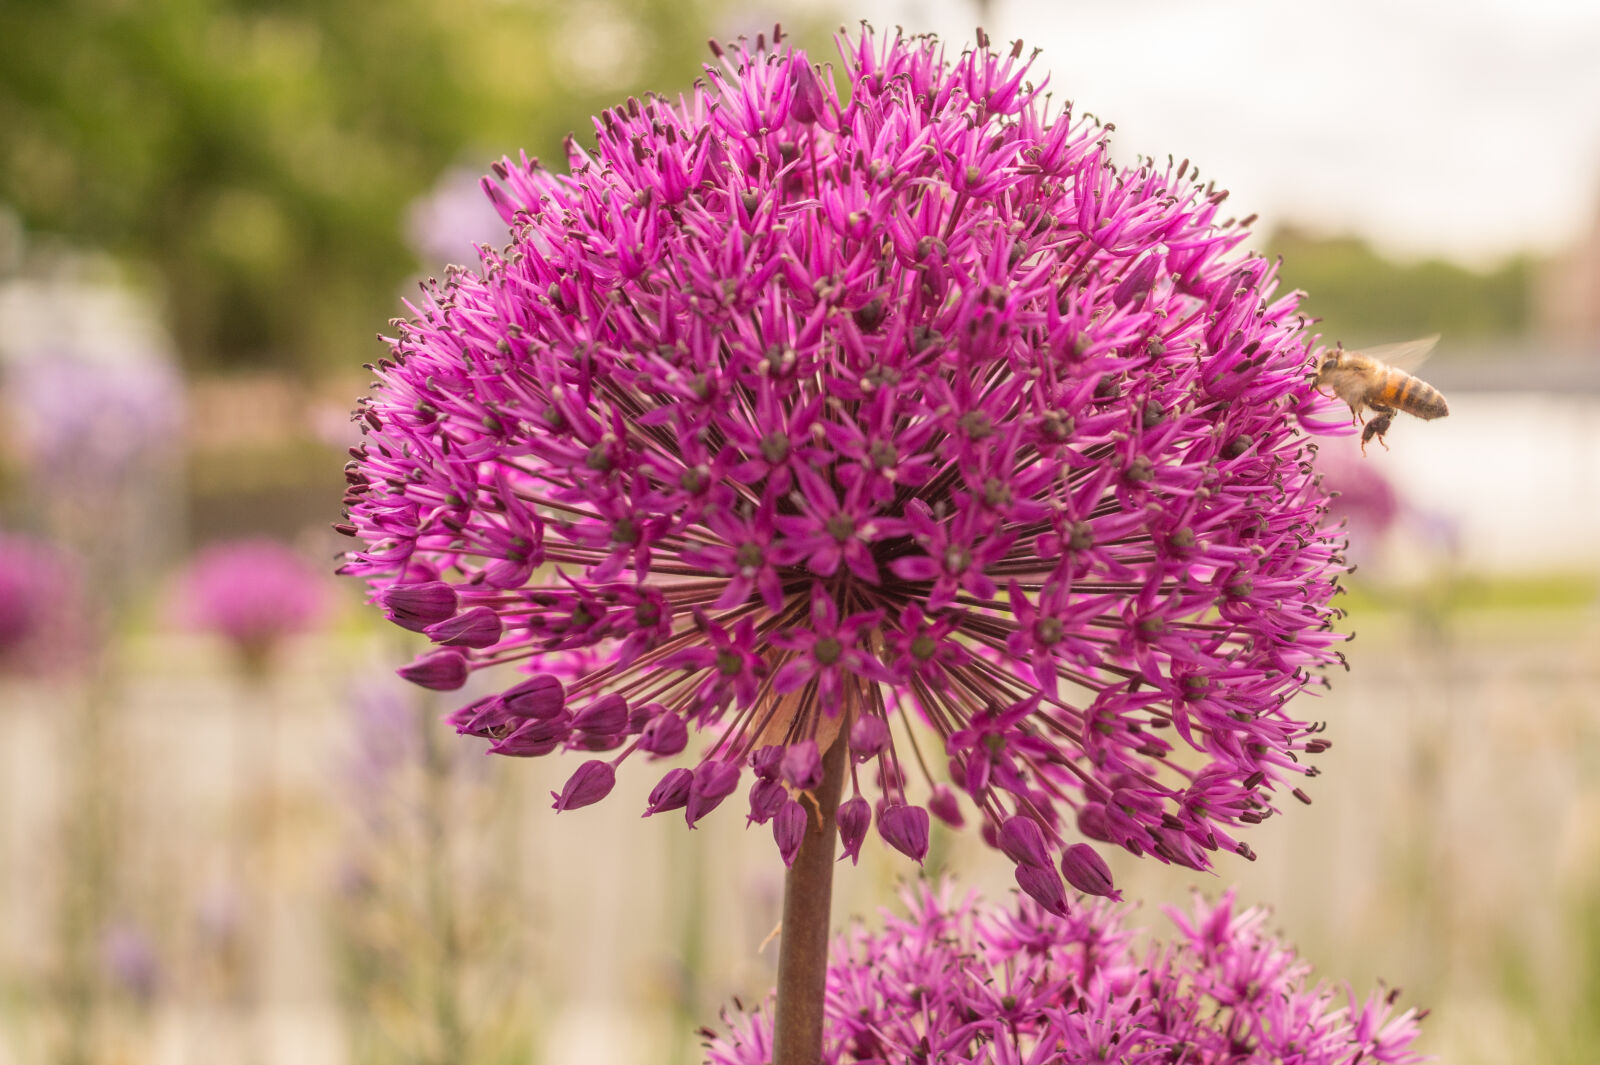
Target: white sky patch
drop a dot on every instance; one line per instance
(1470, 130)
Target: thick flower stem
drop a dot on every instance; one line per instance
(803, 943)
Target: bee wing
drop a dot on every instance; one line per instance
(1406, 355)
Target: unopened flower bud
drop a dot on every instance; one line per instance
(509, 572)
(1022, 840)
(416, 606)
(1044, 887)
(665, 735)
(483, 717)
(943, 805)
(1087, 871)
(541, 696)
(853, 818)
(640, 716)
(868, 737)
(713, 782)
(462, 717)
(440, 671)
(671, 793)
(1137, 284)
(766, 798)
(789, 828)
(802, 765)
(591, 783)
(905, 828)
(607, 716)
(535, 737)
(806, 104)
(767, 761)
(1092, 822)
(478, 627)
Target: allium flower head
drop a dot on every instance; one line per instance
(962, 982)
(800, 418)
(95, 419)
(252, 593)
(93, 394)
(43, 620)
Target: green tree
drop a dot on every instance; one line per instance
(254, 158)
(1363, 297)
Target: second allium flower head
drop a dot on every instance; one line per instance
(962, 983)
(784, 419)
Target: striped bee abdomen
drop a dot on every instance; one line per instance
(1412, 395)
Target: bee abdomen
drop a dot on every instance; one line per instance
(1412, 395)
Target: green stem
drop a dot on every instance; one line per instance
(803, 944)
(450, 1031)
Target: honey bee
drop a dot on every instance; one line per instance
(1373, 379)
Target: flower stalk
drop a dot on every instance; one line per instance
(807, 906)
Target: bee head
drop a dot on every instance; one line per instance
(1330, 361)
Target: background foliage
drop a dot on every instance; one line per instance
(251, 161)
(252, 158)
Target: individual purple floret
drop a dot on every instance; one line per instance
(43, 616)
(252, 593)
(963, 982)
(806, 418)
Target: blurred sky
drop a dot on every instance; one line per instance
(1469, 129)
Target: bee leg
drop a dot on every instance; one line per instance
(1382, 418)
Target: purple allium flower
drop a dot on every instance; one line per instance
(253, 593)
(129, 959)
(801, 415)
(94, 393)
(443, 224)
(43, 618)
(960, 981)
(1358, 491)
(383, 718)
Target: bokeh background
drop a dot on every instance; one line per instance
(228, 833)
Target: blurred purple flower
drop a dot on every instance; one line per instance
(386, 744)
(219, 915)
(94, 420)
(252, 593)
(445, 224)
(829, 407)
(129, 959)
(962, 982)
(1358, 491)
(385, 724)
(43, 615)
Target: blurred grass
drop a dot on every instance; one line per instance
(1467, 593)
